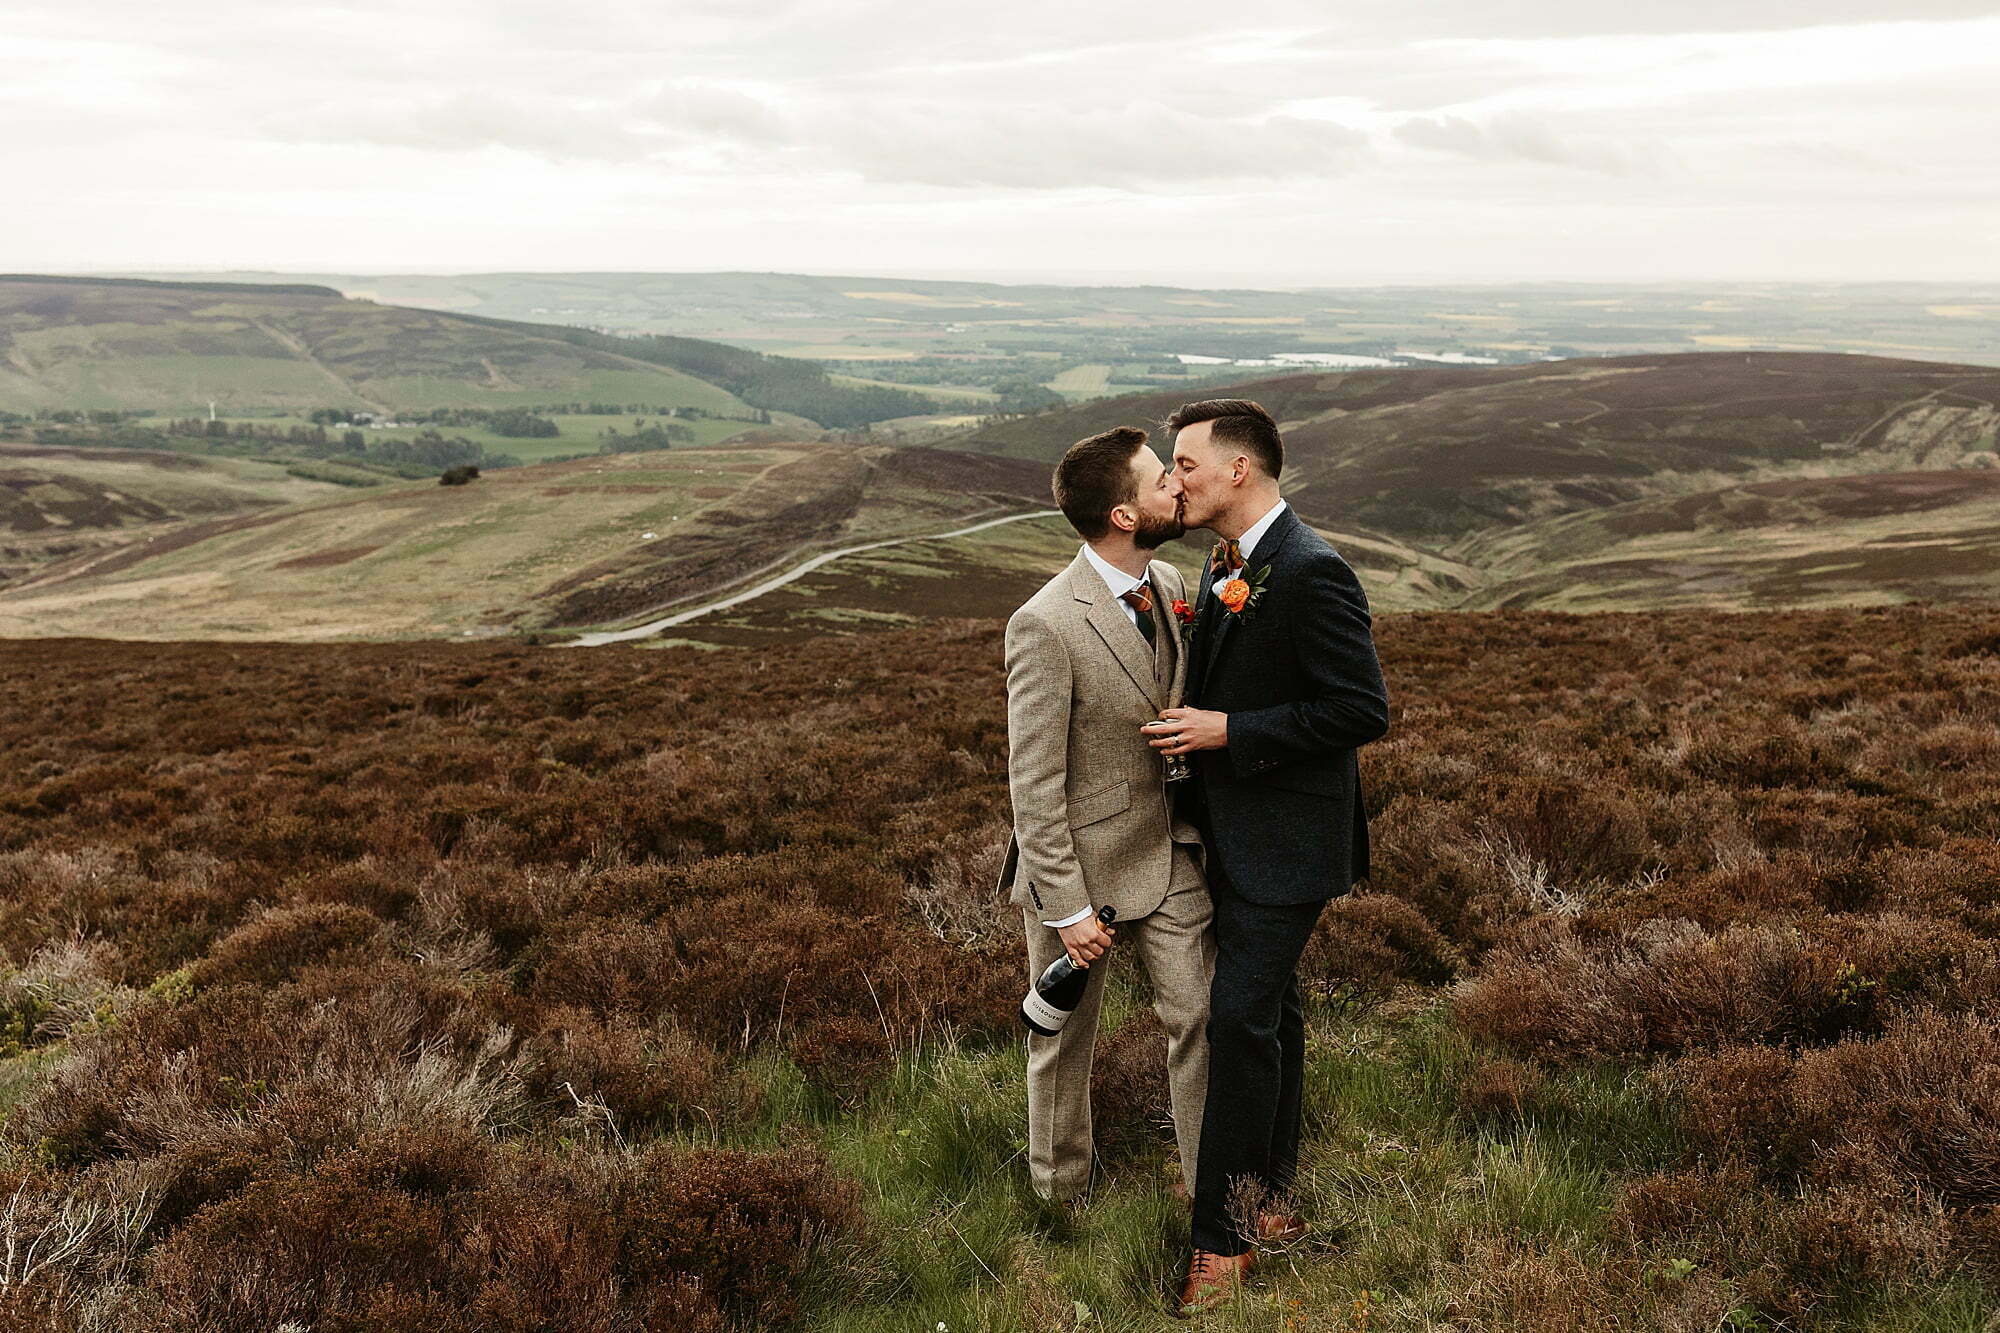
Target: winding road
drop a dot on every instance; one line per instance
(792, 575)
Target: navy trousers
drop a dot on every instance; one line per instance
(1256, 1056)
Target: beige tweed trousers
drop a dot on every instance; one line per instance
(1176, 947)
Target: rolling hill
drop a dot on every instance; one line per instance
(1436, 455)
(61, 503)
(1720, 480)
(173, 347)
(589, 542)
(1857, 540)
(877, 318)
(176, 348)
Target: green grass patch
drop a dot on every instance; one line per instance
(1398, 1182)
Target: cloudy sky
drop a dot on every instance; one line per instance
(1256, 142)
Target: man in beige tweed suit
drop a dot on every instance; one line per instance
(1092, 657)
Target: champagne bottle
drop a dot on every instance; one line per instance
(1057, 992)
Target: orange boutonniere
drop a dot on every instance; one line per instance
(1239, 597)
(1182, 611)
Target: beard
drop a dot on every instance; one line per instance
(1150, 535)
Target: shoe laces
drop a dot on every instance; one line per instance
(1210, 1267)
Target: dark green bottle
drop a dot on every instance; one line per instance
(1057, 992)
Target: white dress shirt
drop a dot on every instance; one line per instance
(1247, 543)
(1120, 583)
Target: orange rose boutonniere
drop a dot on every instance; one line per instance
(1239, 597)
(1182, 611)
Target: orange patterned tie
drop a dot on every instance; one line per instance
(1226, 556)
(1140, 599)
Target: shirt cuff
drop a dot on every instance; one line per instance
(1072, 920)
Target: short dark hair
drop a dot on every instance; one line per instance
(1240, 422)
(1095, 477)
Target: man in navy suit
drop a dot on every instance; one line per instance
(1283, 686)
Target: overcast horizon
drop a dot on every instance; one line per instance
(1124, 144)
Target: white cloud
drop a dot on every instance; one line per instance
(1449, 139)
(1515, 136)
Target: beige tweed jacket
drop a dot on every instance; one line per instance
(1092, 820)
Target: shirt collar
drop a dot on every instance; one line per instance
(1114, 578)
(1255, 533)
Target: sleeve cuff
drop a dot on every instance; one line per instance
(1071, 920)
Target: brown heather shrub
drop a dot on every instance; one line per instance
(1789, 1255)
(617, 967)
(386, 889)
(616, 869)
(1958, 878)
(1669, 986)
(1506, 1282)
(1891, 1146)
(1130, 1112)
(274, 946)
(1924, 1100)
(1575, 829)
(1421, 853)
(323, 1253)
(1778, 752)
(749, 962)
(1737, 1100)
(298, 1069)
(651, 1078)
(843, 1056)
(1499, 1089)
(742, 1225)
(440, 1223)
(1366, 943)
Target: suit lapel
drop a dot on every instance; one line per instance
(1177, 687)
(1203, 630)
(1107, 616)
(1266, 553)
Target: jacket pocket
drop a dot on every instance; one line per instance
(1100, 804)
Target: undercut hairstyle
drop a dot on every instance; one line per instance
(1239, 424)
(1095, 477)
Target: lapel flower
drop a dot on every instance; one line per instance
(1239, 597)
(1182, 611)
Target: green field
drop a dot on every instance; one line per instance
(661, 387)
(951, 393)
(577, 432)
(1083, 381)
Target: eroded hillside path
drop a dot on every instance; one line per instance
(791, 575)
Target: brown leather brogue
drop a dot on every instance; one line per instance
(1213, 1278)
(1280, 1228)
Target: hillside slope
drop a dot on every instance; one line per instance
(60, 503)
(167, 348)
(1862, 540)
(1433, 456)
(588, 542)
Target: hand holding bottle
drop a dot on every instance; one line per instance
(1057, 992)
(1086, 940)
